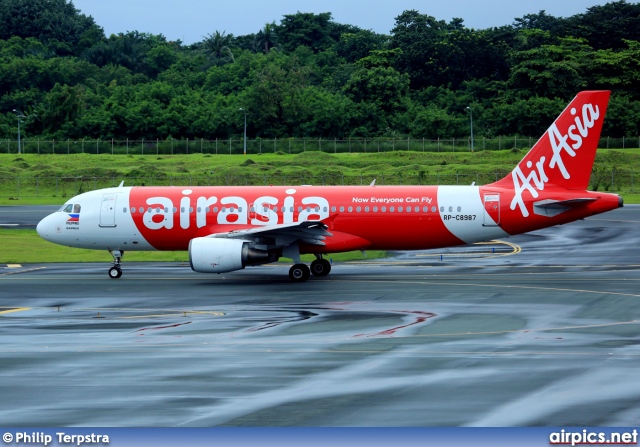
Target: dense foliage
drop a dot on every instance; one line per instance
(309, 76)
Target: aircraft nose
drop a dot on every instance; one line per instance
(44, 228)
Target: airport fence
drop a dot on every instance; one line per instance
(17, 187)
(287, 146)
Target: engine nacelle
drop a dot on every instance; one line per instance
(220, 255)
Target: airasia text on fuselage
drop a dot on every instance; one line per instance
(164, 213)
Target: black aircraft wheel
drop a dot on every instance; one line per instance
(299, 273)
(320, 267)
(115, 273)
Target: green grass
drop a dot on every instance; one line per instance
(52, 179)
(26, 247)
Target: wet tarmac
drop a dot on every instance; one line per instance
(539, 329)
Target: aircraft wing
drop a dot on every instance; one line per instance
(308, 232)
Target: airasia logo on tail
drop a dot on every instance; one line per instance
(567, 143)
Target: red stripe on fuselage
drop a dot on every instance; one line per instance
(363, 229)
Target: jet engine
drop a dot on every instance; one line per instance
(218, 255)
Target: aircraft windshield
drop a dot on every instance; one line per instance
(69, 207)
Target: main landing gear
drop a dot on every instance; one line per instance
(115, 272)
(319, 267)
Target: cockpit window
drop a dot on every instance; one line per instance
(68, 208)
(76, 208)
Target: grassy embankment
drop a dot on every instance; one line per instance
(24, 246)
(60, 177)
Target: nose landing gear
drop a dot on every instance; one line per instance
(115, 272)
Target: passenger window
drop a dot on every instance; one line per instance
(350, 209)
(239, 209)
(199, 209)
(182, 209)
(375, 209)
(417, 210)
(215, 209)
(358, 209)
(299, 209)
(324, 209)
(450, 209)
(384, 209)
(175, 210)
(224, 209)
(124, 210)
(391, 209)
(433, 209)
(190, 209)
(342, 209)
(206, 210)
(408, 209)
(442, 209)
(425, 209)
(399, 209)
(366, 208)
(333, 209)
(158, 210)
(141, 210)
(149, 210)
(291, 209)
(459, 209)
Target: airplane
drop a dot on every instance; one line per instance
(226, 228)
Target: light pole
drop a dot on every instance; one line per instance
(471, 117)
(20, 115)
(245, 130)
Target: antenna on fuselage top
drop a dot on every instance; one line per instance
(121, 184)
(373, 183)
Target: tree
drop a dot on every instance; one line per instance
(142, 53)
(541, 21)
(606, 26)
(216, 46)
(417, 36)
(55, 23)
(308, 29)
(556, 71)
(275, 96)
(433, 122)
(267, 37)
(618, 70)
(355, 46)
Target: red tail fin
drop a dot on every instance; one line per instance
(564, 155)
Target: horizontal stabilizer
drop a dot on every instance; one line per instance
(551, 208)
